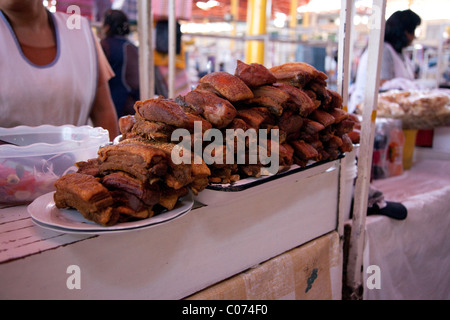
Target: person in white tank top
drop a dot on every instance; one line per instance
(49, 72)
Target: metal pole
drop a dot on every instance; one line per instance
(172, 48)
(357, 236)
(256, 25)
(146, 64)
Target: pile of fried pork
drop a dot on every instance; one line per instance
(137, 178)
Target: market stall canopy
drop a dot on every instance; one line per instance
(220, 10)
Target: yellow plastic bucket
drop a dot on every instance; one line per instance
(408, 149)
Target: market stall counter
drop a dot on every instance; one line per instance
(171, 260)
(126, 224)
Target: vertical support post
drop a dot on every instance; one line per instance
(266, 44)
(343, 70)
(146, 64)
(235, 14)
(172, 49)
(293, 14)
(440, 54)
(256, 25)
(305, 24)
(292, 28)
(357, 236)
(344, 49)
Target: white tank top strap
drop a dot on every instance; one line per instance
(61, 92)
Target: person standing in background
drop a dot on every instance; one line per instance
(161, 60)
(123, 57)
(396, 67)
(50, 73)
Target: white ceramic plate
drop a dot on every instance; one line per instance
(44, 213)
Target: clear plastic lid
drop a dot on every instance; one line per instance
(23, 141)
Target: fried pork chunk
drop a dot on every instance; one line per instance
(192, 175)
(304, 150)
(312, 127)
(229, 86)
(162, 110)
(152, 130)
(335, 101)
(290, 123)
(269, 97)
(254, 117)
(144, 162)
(254, 74)
(219, 112)
(126, 123)
(323, 117)
(321, 92)
(298, 100)
(168, 112)
(90, 167)
(338, 114)
(298, 74)
(148, 193)
(86, 194)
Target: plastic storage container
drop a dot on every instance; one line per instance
(32, 158)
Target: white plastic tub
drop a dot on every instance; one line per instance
(32, 158)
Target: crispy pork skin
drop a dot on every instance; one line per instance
(311, 127)
(148, 193)
(86, 194)
(290, 122)
(162, 110)
(254, 74)
(335, 102)
(304, 150)
(298, 74)
(229, 86)
(135, 158)
(126, 123)
(298, 100)
(338, 114)
(269, 97)
(323, 117)
(219, 112)
(90, 167)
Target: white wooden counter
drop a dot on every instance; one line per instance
(172, 260)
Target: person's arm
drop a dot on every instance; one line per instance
(103, 113)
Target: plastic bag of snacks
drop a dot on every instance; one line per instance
(418, 109)
(389, 140)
